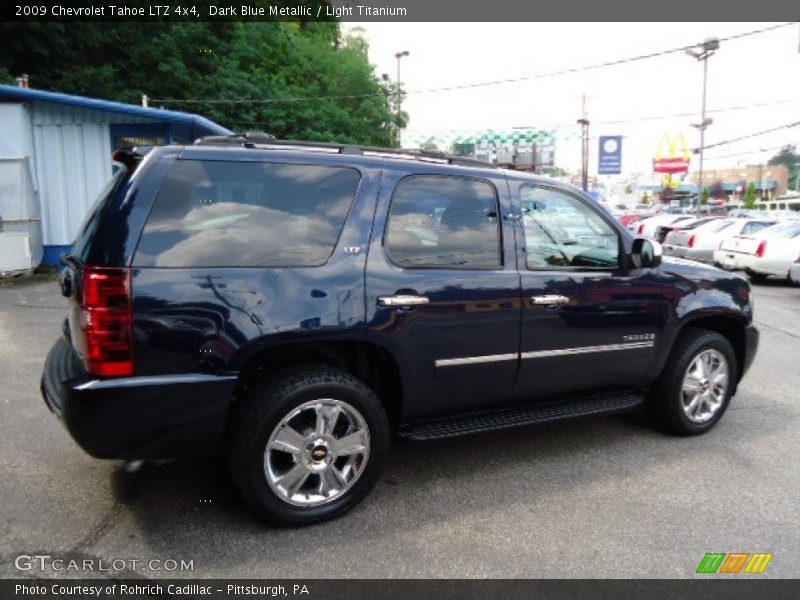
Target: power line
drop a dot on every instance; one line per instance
(758, 151)
(465, 86)
(693, 114)
(749, 135)
(616, 121)
(670, 116)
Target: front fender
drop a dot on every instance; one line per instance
(700, 295)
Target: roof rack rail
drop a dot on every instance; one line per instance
(261, 140)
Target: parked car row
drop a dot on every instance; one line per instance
(701, 242)
(772, 251)
(760, 243)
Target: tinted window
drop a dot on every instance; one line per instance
(562, 232)
(92, 220)
(246, 214)
(444, 222)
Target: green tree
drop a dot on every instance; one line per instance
(750, 196)
(270, 76)
(645, 198)
(788, 157)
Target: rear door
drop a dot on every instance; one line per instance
(587, 322)
(443, 289)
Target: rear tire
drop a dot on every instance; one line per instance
(327, 435)
(696, 386)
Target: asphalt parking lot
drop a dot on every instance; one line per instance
(603, 497)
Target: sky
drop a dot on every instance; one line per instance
(763, 68)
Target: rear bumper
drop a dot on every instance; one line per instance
(732, 260)
(145, 417)
(794, 273)
(751, 336)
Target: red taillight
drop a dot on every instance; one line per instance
(107, 321)
(691, 242)
(761, 247)
(641, 229)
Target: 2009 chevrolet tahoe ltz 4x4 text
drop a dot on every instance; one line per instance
(293, 305)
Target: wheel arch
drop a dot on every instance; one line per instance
(730, 326)
(370, 363)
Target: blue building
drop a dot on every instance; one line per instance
(55, 157)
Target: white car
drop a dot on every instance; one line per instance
(772, 251)
(699, 243)
(648, 227)
(794, 271)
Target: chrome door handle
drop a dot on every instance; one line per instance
(551, 299)
(402, 300)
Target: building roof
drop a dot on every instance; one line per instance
(197, 125)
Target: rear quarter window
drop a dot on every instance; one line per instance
(247, 214)
(91, 223)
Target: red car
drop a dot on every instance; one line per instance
(629, 218)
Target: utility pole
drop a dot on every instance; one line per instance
(584, 123)
(702, 52)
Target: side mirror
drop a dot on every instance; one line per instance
(646, 254)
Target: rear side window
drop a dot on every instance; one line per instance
(88, 229)
(444, 223)
(247, 214)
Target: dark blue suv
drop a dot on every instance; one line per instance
(293, 305)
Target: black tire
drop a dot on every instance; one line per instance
(665, 400)
(757, 277)
(264, 409)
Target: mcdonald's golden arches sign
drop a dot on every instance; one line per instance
(672, 154)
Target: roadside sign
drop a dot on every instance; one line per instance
(610, 155)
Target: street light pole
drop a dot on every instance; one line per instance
(703, 125)
(703, 52)
(399, 94)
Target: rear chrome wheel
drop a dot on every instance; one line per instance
(307, 444)
(705, 386)
(317, 452)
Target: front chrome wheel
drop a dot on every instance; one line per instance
(705, 385)
(317, 452)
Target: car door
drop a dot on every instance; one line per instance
(443, 295)
(587, 322)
